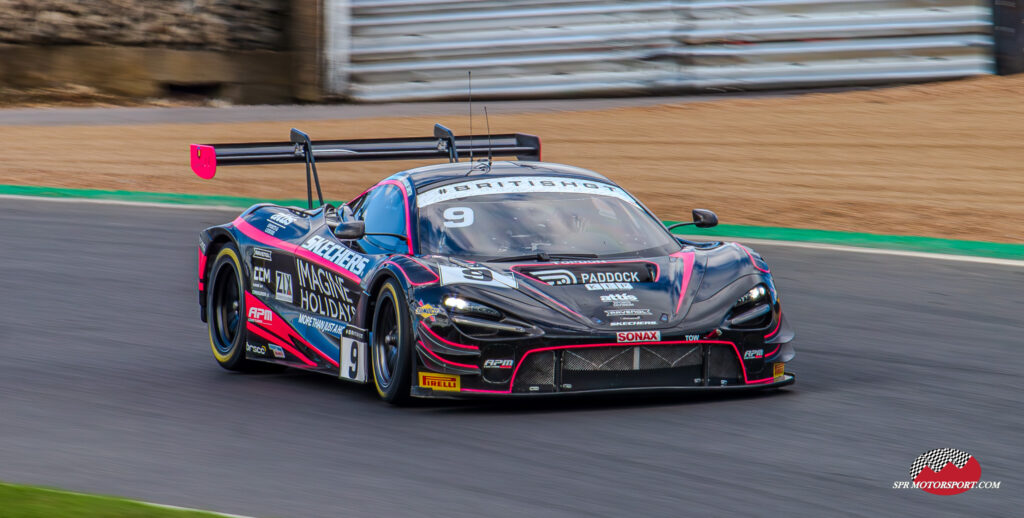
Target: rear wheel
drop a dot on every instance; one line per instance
(391, 345)
(225, 306)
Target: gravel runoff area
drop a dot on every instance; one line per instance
(933, 160)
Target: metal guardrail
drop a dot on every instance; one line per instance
(400, 50)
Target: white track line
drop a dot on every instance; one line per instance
(753, 241)
(178, 508)
(866, 250)
(100, 201)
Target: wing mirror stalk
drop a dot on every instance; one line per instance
(702, 218)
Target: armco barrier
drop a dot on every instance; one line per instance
(399, 50)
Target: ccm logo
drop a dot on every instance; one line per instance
(261, 315)
(638, 336)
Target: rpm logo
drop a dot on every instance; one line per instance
(638, 336)
(260, 315)
(498, 364)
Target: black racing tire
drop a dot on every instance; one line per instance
(225, 310)
(391, 345)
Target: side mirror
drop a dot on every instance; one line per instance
(350, 230)
(704, 218)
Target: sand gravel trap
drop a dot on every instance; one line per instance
(937, 160)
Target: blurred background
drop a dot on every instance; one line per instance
(273, 51)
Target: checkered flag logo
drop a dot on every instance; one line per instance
(937, 459)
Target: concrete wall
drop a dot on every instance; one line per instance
(241, 50)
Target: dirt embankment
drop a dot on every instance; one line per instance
(937, 160)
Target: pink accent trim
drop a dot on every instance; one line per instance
(203, 160)
(449, 362)
(687, 270)
(512, 381)
(657, 267)
(436, 278)
(405, 200)
(201, 286)
(258, 235)
(448, 342)
(542, 294)
(775, 350)
(778, 324)
(751, 256)
(762, 380)
(202, 264)
(485, 391)
(279, 326)
(278, 342)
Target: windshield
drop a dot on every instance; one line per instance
(483, 224)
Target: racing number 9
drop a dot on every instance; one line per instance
(455, 217)
(353, 369)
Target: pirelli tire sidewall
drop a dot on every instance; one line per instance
(397, 391)
(226, 262)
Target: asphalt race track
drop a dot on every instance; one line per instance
(107, 385)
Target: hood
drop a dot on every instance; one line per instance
(608, 295)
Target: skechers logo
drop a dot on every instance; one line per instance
(638, 336)
(336, 253)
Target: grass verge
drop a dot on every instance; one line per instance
(17, 501)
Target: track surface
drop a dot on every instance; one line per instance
(107, 385)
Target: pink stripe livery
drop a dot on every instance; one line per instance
(258, 235)
(778, 324)
(203, 160)
(657, 268)
(447, 342)
(442, 360)
(202, 267)
(436, 278)
(278, 326)
(687, 258)
(542, 294)
(276, 341)
(405, 200)
(752, 261)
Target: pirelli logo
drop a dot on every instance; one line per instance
(441, 382)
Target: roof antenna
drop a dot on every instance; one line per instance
(470, 73)
(488, 121)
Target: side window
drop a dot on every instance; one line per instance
(383, 210)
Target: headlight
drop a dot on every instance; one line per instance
(462, 305)
(754, 295)
(753, 309)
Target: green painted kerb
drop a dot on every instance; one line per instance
(861, 239)
(141, 196)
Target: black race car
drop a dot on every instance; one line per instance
(482, 278)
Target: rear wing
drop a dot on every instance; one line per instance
(205, 158)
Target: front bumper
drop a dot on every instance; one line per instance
(423, 392)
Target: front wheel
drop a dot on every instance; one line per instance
(391, 345)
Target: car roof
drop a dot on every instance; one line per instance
(421, 177)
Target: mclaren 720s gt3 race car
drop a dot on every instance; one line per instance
(483, 278)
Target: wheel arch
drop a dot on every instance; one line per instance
(218, 237)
